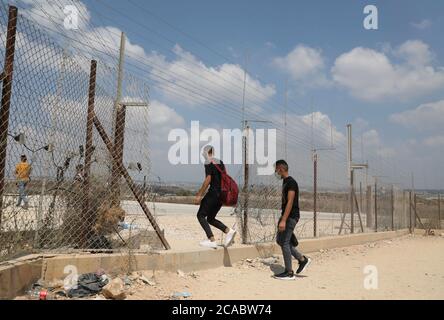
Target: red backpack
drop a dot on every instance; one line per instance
(230, 191)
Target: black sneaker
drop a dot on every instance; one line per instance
(285, 275)
(303, 265)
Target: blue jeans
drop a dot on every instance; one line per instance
(22, 193)
(284, 240)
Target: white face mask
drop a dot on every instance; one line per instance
(278, 176)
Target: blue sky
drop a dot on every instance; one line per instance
(387, 82)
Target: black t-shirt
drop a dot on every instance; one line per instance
(211, 170)
(290, 184)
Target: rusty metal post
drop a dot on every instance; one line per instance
(392, 204)
(414, 209)
(6, 97)
(245, 188)
(439, 211)
(410, 212)
(89, 147)
(119, 135)
(376, 206)
(133, 187)
(315, 193)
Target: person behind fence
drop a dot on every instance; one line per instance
(211, 203)
(22, 173)
(287, 222)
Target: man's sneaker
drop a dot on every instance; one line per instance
(230, 237)
(303, 265)
(285, 276)
(209, 244)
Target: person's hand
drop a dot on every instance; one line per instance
(197, 199)
(282, 225)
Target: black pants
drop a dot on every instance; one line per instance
(209, 207)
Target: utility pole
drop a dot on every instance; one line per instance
(245, 131)
(118, 128)
(245, 189)
(439, 211)
(392, 202)
(315, 192)
(376, 204)
(285, 119)
(350, 174)
(246, 182)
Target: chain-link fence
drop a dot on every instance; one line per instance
(69, 153)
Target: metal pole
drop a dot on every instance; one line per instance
(376, 205)
(89, 148)
(439, 211)
(285, 120)
(315, 192)
(115, 176)
(392, 199)
(410, 212)
(350, 174)
(118, 151)
(246, 182)
(6, 97)
(414, 209)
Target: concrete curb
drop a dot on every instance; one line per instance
(21, 273)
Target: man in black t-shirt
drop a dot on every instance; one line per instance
(287, 222)
(211, 203)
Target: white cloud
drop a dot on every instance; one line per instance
(422, 25)
(370, 75)
(428, 116)
(434, 141)
(371, 138)
(324, 132)
(163, 118)
(303, 63)
(200, 84)
(415, 52)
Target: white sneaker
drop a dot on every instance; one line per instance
(230, 237)
(209, 244)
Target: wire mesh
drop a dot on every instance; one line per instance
(46, 203)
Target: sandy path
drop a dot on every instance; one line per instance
(410, 267)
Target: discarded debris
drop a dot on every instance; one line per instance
(147, 281)
(88, 284)
(178, 295)
(114, 290)
(180, 273)
(269, 261)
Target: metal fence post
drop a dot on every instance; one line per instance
(6, 97)
(392, 199)
(315, 193)
(376, 206)
(89, 147)
(245, 188)
(439, 211)
(414, 209)
(410, 212)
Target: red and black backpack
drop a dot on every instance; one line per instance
(230, 191)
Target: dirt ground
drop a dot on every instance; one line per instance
(410, 267)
